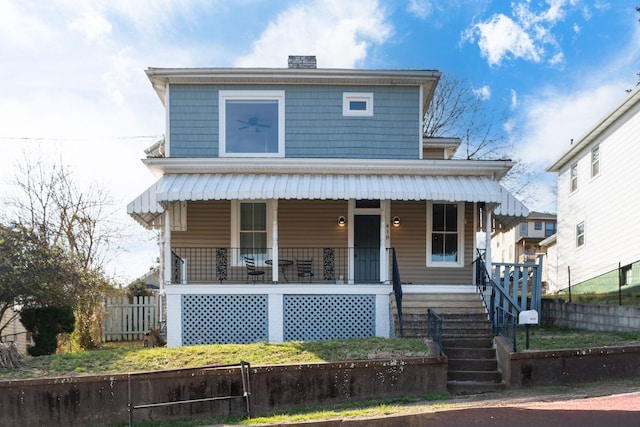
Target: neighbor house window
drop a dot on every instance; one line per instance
(574, 177)
(580, 234)
(537, 225)
(446, 229)
(357, 104)
(524, 229)
(251, 123)
(595, 161)
(549, 229)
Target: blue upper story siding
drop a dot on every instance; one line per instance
(314, 123)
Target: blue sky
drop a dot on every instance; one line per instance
(73, 88)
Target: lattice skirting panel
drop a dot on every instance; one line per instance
(223, 319)
(320, 317)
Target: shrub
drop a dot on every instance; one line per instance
(45, 323)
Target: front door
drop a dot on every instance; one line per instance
(366, 248)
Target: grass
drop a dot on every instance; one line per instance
(554, 338)
(629, 295)
(123, 358)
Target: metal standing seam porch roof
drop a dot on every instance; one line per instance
(245, 186)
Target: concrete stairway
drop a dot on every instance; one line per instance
(467, 337)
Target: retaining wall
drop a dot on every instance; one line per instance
(591, 317)
(102, 400)
(558, 367)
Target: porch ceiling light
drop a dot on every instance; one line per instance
(396, 221)
(342, 221)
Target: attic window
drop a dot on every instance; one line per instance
(357, 104)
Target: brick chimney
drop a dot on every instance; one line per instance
(301, 61)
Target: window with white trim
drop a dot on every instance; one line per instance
(445, 234)
(574, 177)
(580, 234)
(595, 161)
(250, 232)
(357, 104)
(251, 123)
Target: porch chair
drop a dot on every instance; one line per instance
(252, 271)
(305, 268)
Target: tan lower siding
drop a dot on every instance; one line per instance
(410, 242)
(208, 225)
(311, 223)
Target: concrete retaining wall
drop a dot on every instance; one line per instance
(102, 400)
(591, 317)
(557, 367)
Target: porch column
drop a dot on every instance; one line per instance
(274, 240)
(166, 258)
(384, 240)
(487, 238)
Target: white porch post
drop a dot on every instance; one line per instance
(487, 237)
(384, 241)
(274, 240)
(174, 306)
(167, 247)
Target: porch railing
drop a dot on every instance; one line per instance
(397, 289)
(195, 265)
(510, 289)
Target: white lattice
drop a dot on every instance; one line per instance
(319, 317)
(222, 319)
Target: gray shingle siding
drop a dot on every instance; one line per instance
(314, 124)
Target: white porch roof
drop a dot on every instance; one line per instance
(245, 186)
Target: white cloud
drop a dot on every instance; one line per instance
(338, 33)
(92, 25)
(514, 99)
(483, 93)
(421, 8)
(526, 35)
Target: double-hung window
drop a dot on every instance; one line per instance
(251, 123)
(445, 228)
(574, 178)
(595, 161)
(580, 234)
(250, 230)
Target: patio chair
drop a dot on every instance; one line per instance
(252, 271)
(305, 268)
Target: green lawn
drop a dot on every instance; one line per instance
(553, 338)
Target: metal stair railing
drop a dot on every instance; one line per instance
(434, 324)
(397, 289)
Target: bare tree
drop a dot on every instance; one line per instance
(63, 215)
(458, 111)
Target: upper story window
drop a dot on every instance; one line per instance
(574, 178)
(537, 225)
(549, 229)
(357, 104)
(595, 161)
(251, 123)
(524, 229)
(445, 227)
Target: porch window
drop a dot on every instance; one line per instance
(580, 234)
(251, 123)
(446, 229)
(253, 229)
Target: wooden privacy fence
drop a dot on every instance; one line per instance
(128, 320)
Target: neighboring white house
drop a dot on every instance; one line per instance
(522, 244)
(599, 201)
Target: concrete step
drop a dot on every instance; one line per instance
(474, 387)
(486, 364)
(470, 353)
(477, 376)
(472, 342)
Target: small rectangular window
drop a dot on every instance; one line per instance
(537, 225)
(524, 230)
(595, 161)
(357, 104)
(580, 234)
